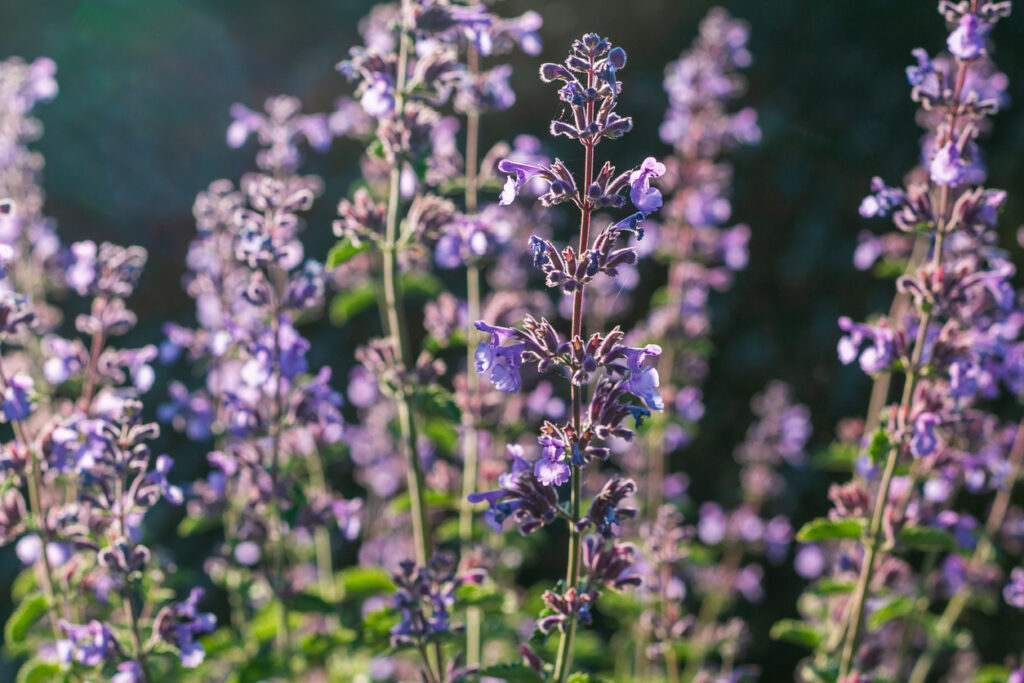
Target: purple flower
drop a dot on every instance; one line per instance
(947, 167)
(967, 41)
(924, 442)
(882, 201)
(644, 197)
(128, 672)
(551, 469)
(917, 74)
(91, 643)
(18, 397)
(873, 359)
(809, 561)
(1013, 593)
(500, 364)
(158, 476)
(643, 380)
(522, 174)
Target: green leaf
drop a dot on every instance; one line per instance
(838, 457)
(348, 304)
(358, 583)
(190, 526)
(307, 602)
(344, 251)
(991, 673)
(35, 671)
(421, 285)
(434, 498)
(833, 587)
(796, 632)
(897, 608)
(25, 615)
(470, 595)
(435, 401)
(443, 433)
(824, 529)
(511, 673)
(879, 445)
(927, 538)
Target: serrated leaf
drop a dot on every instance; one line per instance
(927, 538)
(345, 251)
(350, 303)
(511, 673)
(35, 671)
(897, 608)
(795, 632)
(27, 613)
(824, 529)
(362, 582)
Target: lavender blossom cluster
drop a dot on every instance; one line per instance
(505, 370)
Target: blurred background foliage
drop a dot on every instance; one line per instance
(138, 129)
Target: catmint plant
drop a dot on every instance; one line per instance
(956, 345)
(272, 419)
(621, 383)
(79, 453)
(691, 238)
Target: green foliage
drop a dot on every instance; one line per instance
(350, 303)
(927, 538)
(359, 583)
(897, 608)
(36, 671)
(26, 614)
(795, 632)
(345, 251)
(511, 673)
(824, 529)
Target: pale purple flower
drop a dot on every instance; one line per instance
(644, 197)
(967, 41)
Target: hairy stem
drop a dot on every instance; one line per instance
(563, 664)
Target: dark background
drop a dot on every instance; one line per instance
(138, 129)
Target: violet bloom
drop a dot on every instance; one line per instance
(551, 469)
(500, 364)
(522, 174)
(947, 167)
(1013, 593)
(18, 397)
(644, 197)
(643, 380)
(967, 41)
(924, 442)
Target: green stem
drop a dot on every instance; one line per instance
(471, 440)
(873, 538)
(397, 329)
